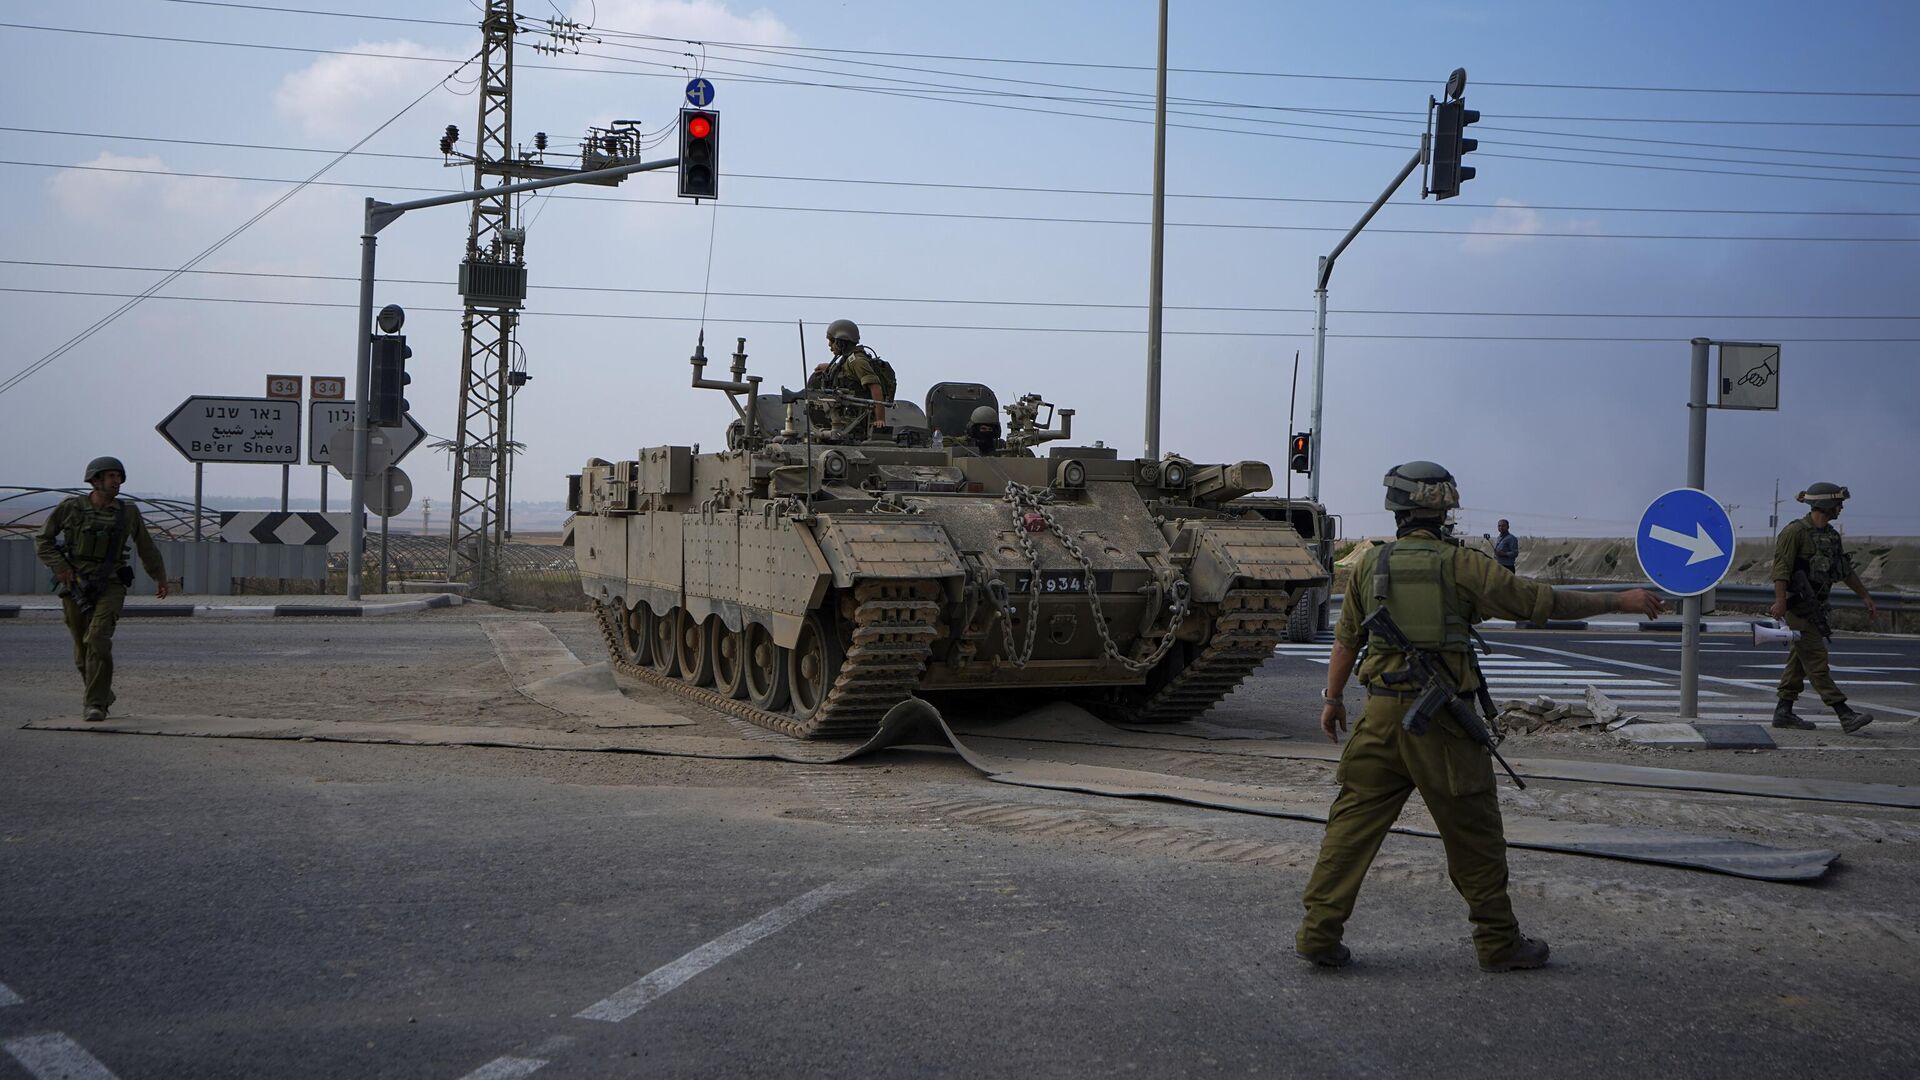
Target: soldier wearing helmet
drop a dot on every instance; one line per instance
(84, 543)
(1436, 589)
(983, 431)
(1808, 558)
(857, 373)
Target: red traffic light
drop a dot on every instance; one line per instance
(699, 127)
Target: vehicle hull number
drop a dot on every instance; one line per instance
(1059, 582)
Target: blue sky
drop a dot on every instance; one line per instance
(826, 162)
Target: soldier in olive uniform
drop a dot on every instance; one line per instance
(854, 372)
(1436, 589)
(1807, 559)
(84, 543)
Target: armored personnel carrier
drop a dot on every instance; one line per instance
(808, 582)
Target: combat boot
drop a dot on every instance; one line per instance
(1524, 955)
(1851, 719)
(95, 712)
(1783, 717)
(1335, 955)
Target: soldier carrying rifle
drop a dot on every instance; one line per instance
(1807, 559)
(1412, 604)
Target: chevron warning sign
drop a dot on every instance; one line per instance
(274, 527)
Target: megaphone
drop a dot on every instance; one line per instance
(1771, 634)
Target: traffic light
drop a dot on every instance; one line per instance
(386, 403)
(1449, 146)
(699, 154)
(1299, 459)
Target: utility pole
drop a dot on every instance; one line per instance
(493, 283)
(1158, 256)
(1773, 519)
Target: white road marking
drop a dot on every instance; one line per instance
(1746, 684)
(55, 1057)
(664, 980)
(8, 997)
(506, 1068)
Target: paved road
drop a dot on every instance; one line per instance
(1641, 670)
(192, 907)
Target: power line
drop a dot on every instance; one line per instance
(1022, 218)
(135, 299)
(629, 290)
(808, 50)
(950, 100)
(628, 316)
(997, 188)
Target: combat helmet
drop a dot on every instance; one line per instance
(1421, 488)
(103, 464)
(843, 330)
(983, 415)
(1824, 496)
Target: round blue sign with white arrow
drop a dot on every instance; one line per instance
(699, 93)
(1685, 542)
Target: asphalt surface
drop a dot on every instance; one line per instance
(196, 907)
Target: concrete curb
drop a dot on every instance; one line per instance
(246, 611)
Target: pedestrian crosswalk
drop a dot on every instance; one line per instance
(1514, 674)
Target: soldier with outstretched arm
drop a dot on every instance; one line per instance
(1808, 558)
(1432, 589)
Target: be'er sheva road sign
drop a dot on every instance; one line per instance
(259, 431)
(1685, 542)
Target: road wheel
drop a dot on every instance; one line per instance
(634, 643)
(729, 659)
(812, 665)
(694, 640)
(664, 642)
(766, 670)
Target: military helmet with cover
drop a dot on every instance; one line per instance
(104, 464)
(1824, 496)
(1421, 488)
(843, 330)
(984, 415)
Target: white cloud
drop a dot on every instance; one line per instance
(1511, 224)
(700, 20)
(114, 190)
(346, 96)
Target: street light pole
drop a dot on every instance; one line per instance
(1157, 258)
(379, 215)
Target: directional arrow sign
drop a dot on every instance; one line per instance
(259, 431)
(327, 417)
(1685, 542)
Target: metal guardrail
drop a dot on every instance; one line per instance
(1763, 594)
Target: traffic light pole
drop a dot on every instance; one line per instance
(379, 215)
(1320, 314)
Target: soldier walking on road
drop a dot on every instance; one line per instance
(1506, 548)
(1807, 559)
(84, 543)
(1435, 589)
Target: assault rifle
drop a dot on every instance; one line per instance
(1437, 691)
(1803, 600)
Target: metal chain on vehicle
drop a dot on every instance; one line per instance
(1038, 500)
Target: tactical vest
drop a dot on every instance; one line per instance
(1413, 577)
(844, 382)
(1825, 561)
(89, 534)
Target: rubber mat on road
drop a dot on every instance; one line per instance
(1739, 858)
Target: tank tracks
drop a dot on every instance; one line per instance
(1249, 623)
(894, 626)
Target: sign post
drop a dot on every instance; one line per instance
(1685, 546)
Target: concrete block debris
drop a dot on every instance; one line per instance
(1542, 713)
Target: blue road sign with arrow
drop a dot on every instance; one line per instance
(699, 93)
(1685, 542)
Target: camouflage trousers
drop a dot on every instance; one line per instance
(1808, 663)
(93, 641)
(1382, 765)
